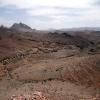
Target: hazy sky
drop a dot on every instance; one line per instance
(45, 14)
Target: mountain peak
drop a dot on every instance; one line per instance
(21, 27)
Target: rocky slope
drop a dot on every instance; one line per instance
(61, 66)
(21, 27)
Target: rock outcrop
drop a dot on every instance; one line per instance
(21, 27)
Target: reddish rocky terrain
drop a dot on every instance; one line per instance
(57, 66)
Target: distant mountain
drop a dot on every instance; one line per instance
(21, 27)
(81, 29)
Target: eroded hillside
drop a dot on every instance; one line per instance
(61, 66)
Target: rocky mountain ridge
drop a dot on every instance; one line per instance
(21, 27)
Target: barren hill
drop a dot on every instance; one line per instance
(21, 27)
(60, 65)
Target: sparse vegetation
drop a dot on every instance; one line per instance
(58, 65)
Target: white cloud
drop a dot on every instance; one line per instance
(5, 22)
(56, 13)
(49, 3)
(43, 11)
